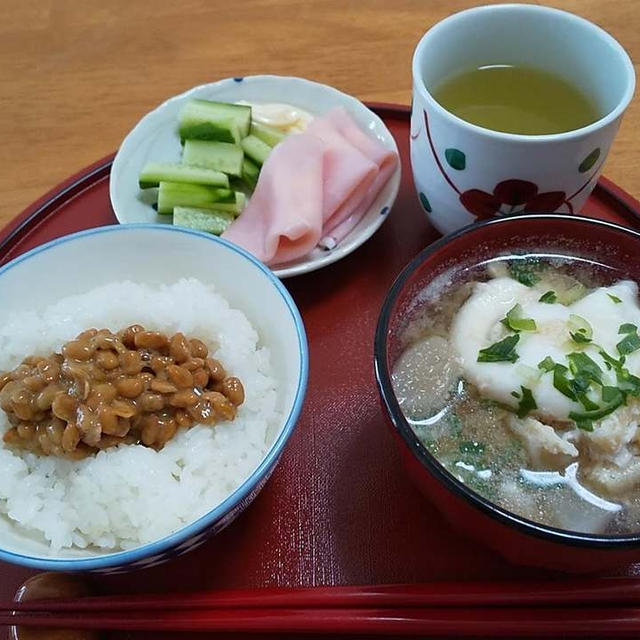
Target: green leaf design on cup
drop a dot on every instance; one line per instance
(456, 159)
(424, 201)
(589, 161)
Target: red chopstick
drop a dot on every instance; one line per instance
(563, 593)
(611, 622)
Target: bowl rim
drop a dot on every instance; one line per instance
(121, 559)
(422, 454)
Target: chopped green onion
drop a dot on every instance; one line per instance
(581, 383)
(502, 351)
(580, 338)
(582, 365)
(585, 424)
(561, 382)
(524, 270)
(611, 394)
(549, 297)
(586, 402)
(547, 364)
(516, 322)
(515, 394)
(612, 398)
(627, 382)
(628, 344)
(527, 403)
(615, 299)
(610, 361)
(627, 327)
(568, 296)
(579, 329)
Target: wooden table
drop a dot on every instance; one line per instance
(76, 76)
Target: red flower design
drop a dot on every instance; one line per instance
(510, 197)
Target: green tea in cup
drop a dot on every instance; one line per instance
(516, 99)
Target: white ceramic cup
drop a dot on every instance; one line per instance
(464, 172)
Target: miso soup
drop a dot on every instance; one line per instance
(521, 375)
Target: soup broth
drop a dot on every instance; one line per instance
(518, 376)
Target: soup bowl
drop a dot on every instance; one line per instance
(158, 256)
(520, 540)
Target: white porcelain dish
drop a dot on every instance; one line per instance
(155, 137)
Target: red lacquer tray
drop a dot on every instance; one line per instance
(339, 508)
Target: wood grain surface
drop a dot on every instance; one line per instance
(75, 76)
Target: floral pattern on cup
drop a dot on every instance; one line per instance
(509, 197)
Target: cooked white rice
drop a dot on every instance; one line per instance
(129, 495)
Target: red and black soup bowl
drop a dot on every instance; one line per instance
(520, 540)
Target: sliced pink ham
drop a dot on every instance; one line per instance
(385, 159)
(348, 173)
(282, 220)
(314, 183)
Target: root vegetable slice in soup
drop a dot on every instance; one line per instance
(424, 378)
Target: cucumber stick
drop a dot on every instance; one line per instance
(221, 146)
(269, 135)
(234, 207)
(250, 173)
(177, 194)
(208, 120)
(256, 149)
(219, 156)
(154, 173)
(222, 131)
(215, 222)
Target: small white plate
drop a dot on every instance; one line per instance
(155, 137)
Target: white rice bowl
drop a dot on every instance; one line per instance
(130, 495)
